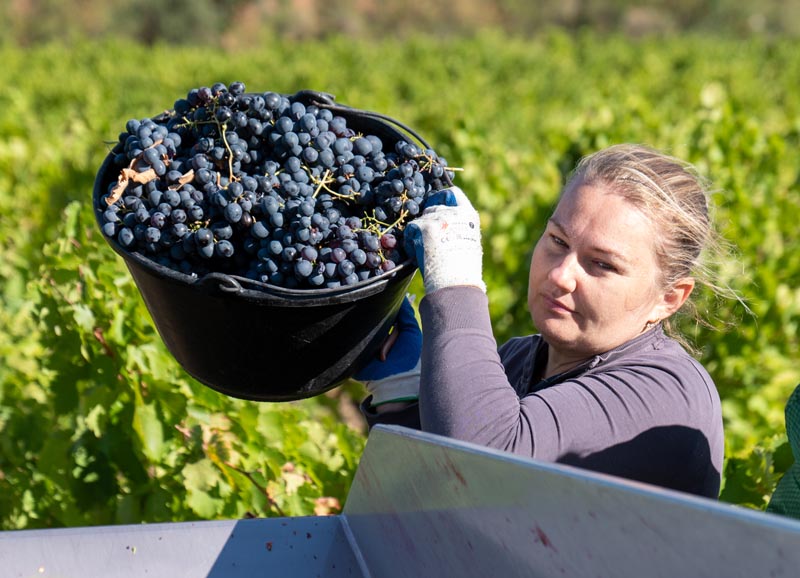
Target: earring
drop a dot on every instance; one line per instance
(649, 325)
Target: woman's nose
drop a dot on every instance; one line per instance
(563, 273)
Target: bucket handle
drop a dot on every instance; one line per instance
(326, 100)
(222, 282)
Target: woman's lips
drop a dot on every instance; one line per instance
(555, 305)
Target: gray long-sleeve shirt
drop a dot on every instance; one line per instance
(645, 410)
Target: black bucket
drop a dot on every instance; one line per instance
(260, 342)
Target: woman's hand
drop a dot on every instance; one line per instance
(446, 242)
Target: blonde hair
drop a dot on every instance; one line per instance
(675, 198)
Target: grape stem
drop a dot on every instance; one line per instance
(222, 126)
(321, 182)
(386, 226)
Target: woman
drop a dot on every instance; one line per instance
(602, 386)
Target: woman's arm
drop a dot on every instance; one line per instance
(612, 418)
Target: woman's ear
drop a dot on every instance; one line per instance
(676, 296)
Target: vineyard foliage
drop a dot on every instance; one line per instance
(98, 423)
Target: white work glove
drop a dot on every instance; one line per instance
(394, 375)
(445, 241)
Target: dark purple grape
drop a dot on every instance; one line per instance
(173, 198)
(259, 230)
(350, 279)
(151, 156)
(289, 254)
(203, 236)
(303, 268)
(358, 256)
(125, 237)
(232, 212)
(195, 213)
(309, 253)
(223, 248)
(152, 235)
(330, 270)
(206, 251)
(388, 241)
(178, 216)
(346, 268)
(338, 255)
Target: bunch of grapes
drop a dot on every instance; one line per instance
(264, 186)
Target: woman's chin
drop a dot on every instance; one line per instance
(556, 329)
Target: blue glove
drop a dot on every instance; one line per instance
(394, 375)
(445, 241)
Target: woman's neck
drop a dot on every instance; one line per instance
(558, 363)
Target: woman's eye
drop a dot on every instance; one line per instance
(558, 241)
(604, 266)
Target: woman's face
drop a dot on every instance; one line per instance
(593, 274)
